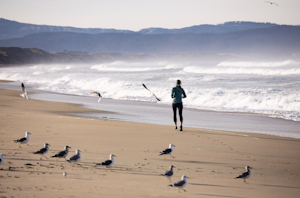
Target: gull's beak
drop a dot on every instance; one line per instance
(115, 156)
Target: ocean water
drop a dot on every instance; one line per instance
(270, 88)
(262, 89)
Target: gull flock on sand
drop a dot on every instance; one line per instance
(108, 163)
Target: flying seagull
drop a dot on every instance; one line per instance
(151, 93)
(271, 3)
(1, 158)
(23, 140)
(62, 154)
(43, 151)
(108, 163)
(169, 173)
(24, 94)
(246, 174)
(168, 151)
(100, 97)
(181, 184)
(75, 158)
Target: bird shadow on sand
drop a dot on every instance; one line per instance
(29, 171)
(134, 171)
(213, 185)
(277, 186)
(198, 162)
(35, 160)
(238, 134)
(210, 195)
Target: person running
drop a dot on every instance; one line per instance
(177, 94)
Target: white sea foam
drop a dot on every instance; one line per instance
(235, 70)
(272, 90)
(258, 64)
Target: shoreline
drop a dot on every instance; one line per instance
(161, 114)
(210, 158)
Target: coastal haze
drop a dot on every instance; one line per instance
(242, 67)
(239, 64)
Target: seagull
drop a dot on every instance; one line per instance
(75, 157)
(24, 94)
(246, 174)
(168, 151)
(23, 140)
(100, 97)
(181, 184)
(1, 158)
(169, 173)
(65, 174)
(62, 154)
(108, 163)
(271, 3)
(43, 151)
(151, 93)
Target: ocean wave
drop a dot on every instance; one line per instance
(233, 70)
(258, 64)
(277, 97)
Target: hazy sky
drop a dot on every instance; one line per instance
(139, 14)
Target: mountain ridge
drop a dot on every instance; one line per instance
(272, 40)
(13, 29)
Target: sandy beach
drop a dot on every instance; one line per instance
(210, 158)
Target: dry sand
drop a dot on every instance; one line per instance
(210, 158)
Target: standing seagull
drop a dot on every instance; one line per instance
(108, 163)
(24, 94)
(100, 97)
(151, 93)
(62, 154)
(169, 173)
(271, 3)
(43, 151)
(75, 158)
(1, 158)
(181, 184)
(168, 151)
(246, 174)
(23, 140)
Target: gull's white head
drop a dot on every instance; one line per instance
(171, 145)
(27, 133)
(77, 151)
(46, 144)
(183, 177)
(67, 147)
(111, 156)
(248, 168)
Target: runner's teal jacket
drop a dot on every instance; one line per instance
(177, 94)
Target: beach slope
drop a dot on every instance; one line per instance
(211, 159)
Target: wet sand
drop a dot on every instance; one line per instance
(210, 158)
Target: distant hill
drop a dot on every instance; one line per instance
(220, 28)
(13, 29)
(273, 40)
(11, 56)
(19, 56)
